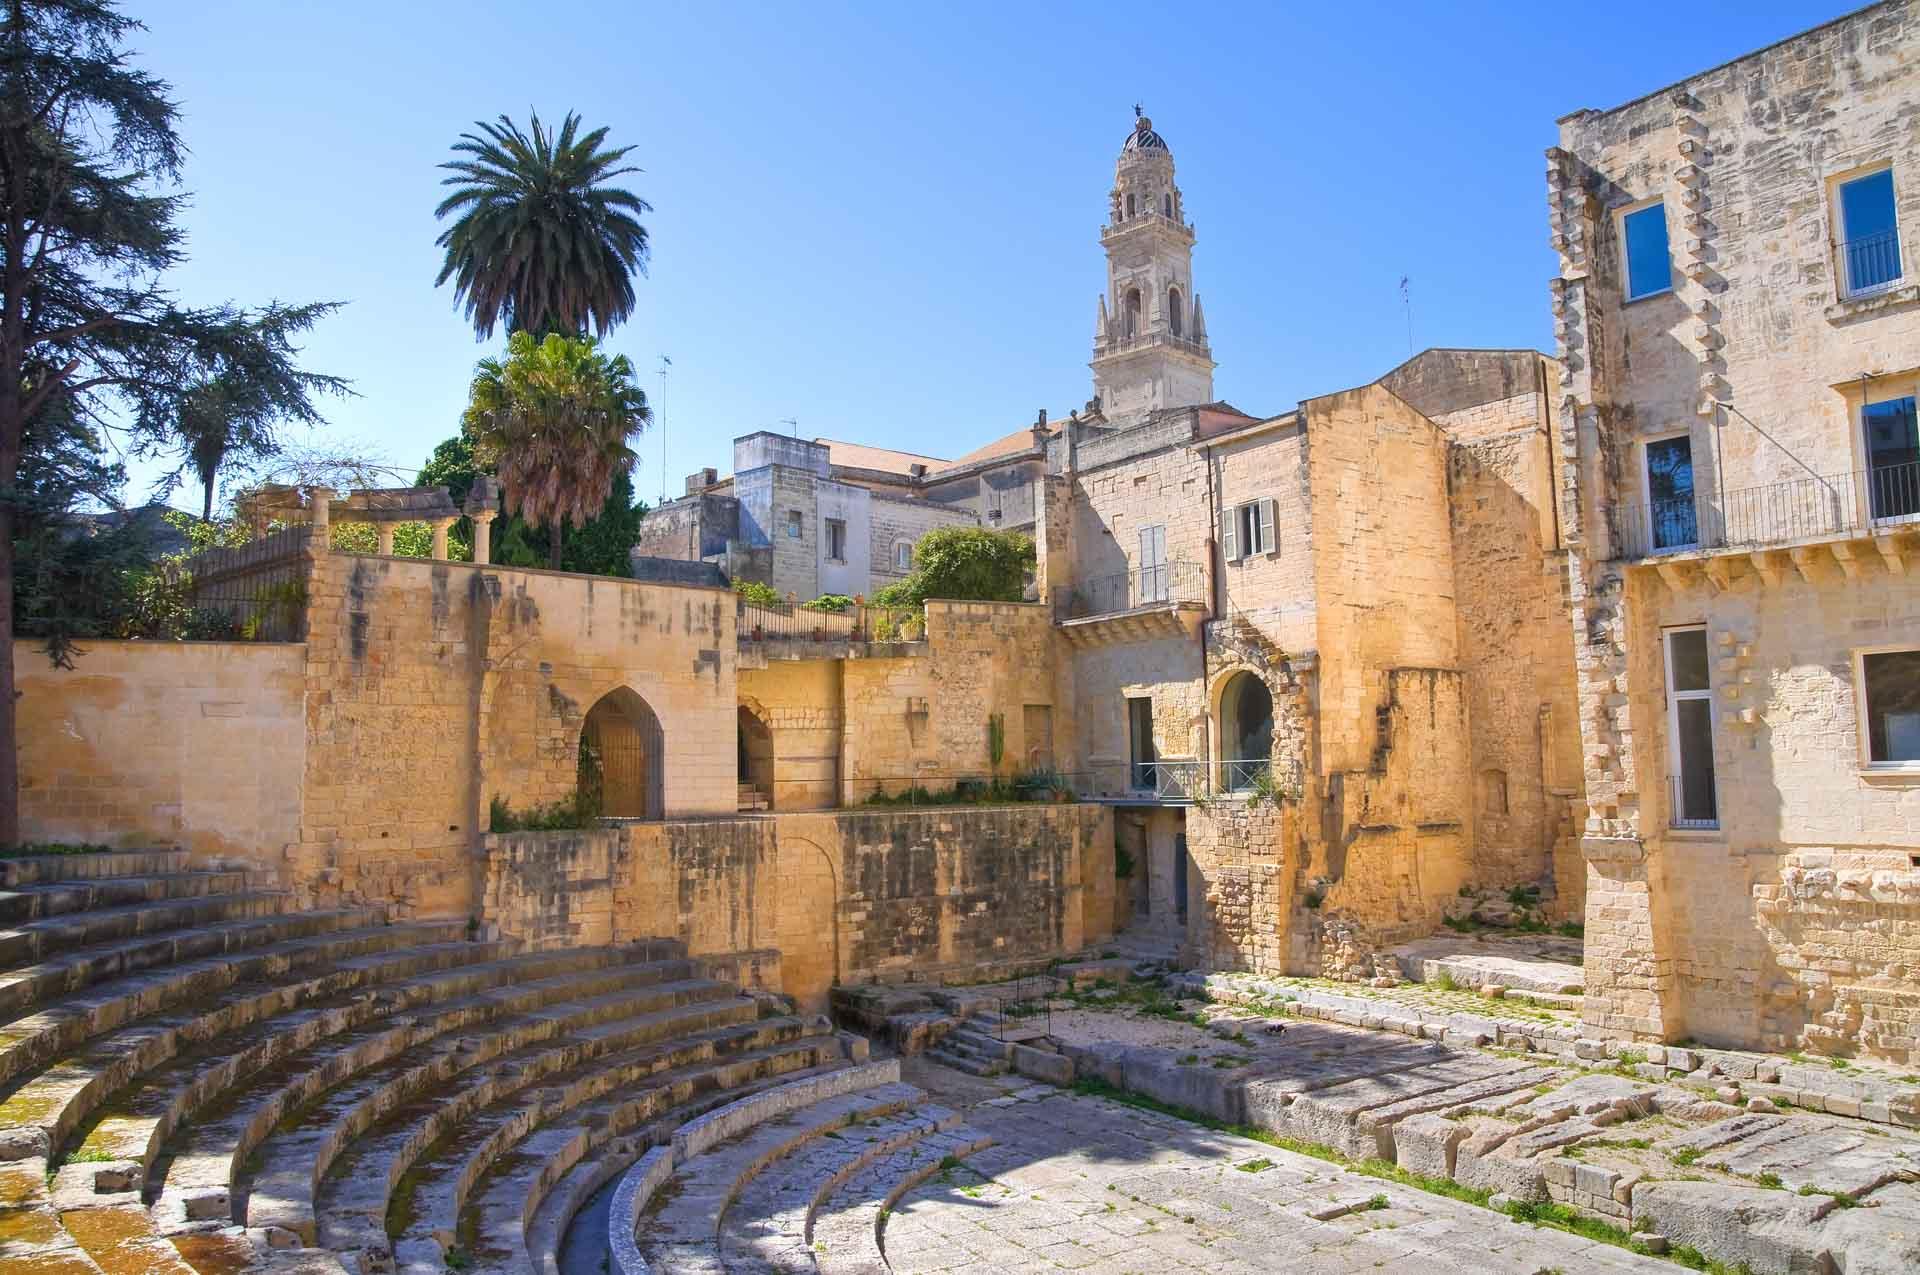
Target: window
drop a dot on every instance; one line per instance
(1173, 310)
(793, 524)
(1153, 575)
(1889, 685)
(1649, 268)
(1166, 203)
(1672, 522)
(903, 556)
(1893, 457)
(1140, 739)
(836, 540)
(1691, 801)
(1133, 312)
(1130, 205)
(1249, 529)
(1869, 233)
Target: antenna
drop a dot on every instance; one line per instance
(1406, 299)
(788, 420)
(661, 416)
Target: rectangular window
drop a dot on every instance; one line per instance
(1893, 457)
(1671, 519)
(1251, 528)
(836, 540)
(1869, 233)
(1140, 740)
(793, 524)
(1152, 582)
(1890, 702)
(1691, 800)
(1649, 266)
(903, 557)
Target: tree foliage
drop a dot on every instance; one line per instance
(88, 153)
(542, 239)
(553, 419)
(964, 564)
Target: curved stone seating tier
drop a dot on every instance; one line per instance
(520, 1213)
(37, 941)
(67, 1092)
(450, 1141)
(49, 869)
(38, 902)
(193, 1179)
(844, 1232)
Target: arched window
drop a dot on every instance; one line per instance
(755, 762)
(1173, 309)
(1166, 204)
(1246, 732)
(1133, 312)
(1132, 209)
(620, 757)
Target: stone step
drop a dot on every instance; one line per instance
(520, 1212)
(292, 1161)
(968, 1039)
(766, 1225)
(121, 1238)
(37, 902)
(22, 990)
(41, 940)
(966, 1062)
(191, 1180)
(137, 1117)
(349, 1208)
(680, 1228)
(32, 1241)
(63, 1094)
(845, 1234)
(39, 869)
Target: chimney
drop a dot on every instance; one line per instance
(701, 481)
(917, 470)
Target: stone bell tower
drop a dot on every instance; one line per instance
(1150, 342)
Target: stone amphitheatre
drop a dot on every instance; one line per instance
(1415, 831)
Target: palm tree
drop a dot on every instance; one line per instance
(542, 240)
(554, 418)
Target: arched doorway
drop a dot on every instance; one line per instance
(620, 757)
(1246, 732)
(755, 755)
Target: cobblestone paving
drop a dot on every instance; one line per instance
(1088, 1185)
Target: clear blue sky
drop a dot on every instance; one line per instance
(882, 219)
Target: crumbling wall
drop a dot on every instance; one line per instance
(1846, 940)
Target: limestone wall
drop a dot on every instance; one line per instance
(801, 704)
(434, 687)
(896, 520)
(1241, 894)
(198, 745)
(882, 894)
(1273, 589)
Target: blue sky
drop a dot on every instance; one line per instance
(881, 220)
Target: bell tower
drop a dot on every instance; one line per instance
(1150, 340)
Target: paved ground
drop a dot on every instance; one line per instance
(1087, 1185)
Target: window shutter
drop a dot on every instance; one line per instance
(1269, 525)
(1227, 519)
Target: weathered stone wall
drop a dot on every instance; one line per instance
(897, 520)
(1845, 935)
(1273, 589)
(800, 703)
(198, 745)
(1241, 895)
(852, 896)
(434, 687)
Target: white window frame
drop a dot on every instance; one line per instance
(903, 555)
(1867, 763)
(796, 524)
(826, 538)
(1620, 216)
(1265, 513)
(1646, 492)
(1674, 697)
(1836, 218)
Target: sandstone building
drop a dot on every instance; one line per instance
(1738, 314)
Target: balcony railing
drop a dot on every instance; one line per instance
(1872, 262)
(1692, 802)
(791, 622)
(1166, 582)
(1778, 513)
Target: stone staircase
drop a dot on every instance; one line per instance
(195, 1077)
(797, 1178)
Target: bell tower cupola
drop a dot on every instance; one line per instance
(1150, 338)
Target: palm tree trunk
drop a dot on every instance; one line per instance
(206, 501)
(553, 544)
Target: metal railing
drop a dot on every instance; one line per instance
(1872, 262)
(1777, 513)
(794, 622)
(255, 592)
(1022, 1001)
(1692, 803)
(1170, 780)
(1158, 584)
(1245, 775)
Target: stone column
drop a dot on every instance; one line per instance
(482, 536)
(320, 511)
(441, 526)
(385, 531)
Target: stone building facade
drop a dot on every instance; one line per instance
(1738, 316)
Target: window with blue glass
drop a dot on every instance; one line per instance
(1670, 513)
(1893, 457)
(1869, 232)
(1649, 268)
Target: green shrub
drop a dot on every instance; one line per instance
(964, 564)
(755, 592)
(834, 602)
(53, 847)
(568, 814)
